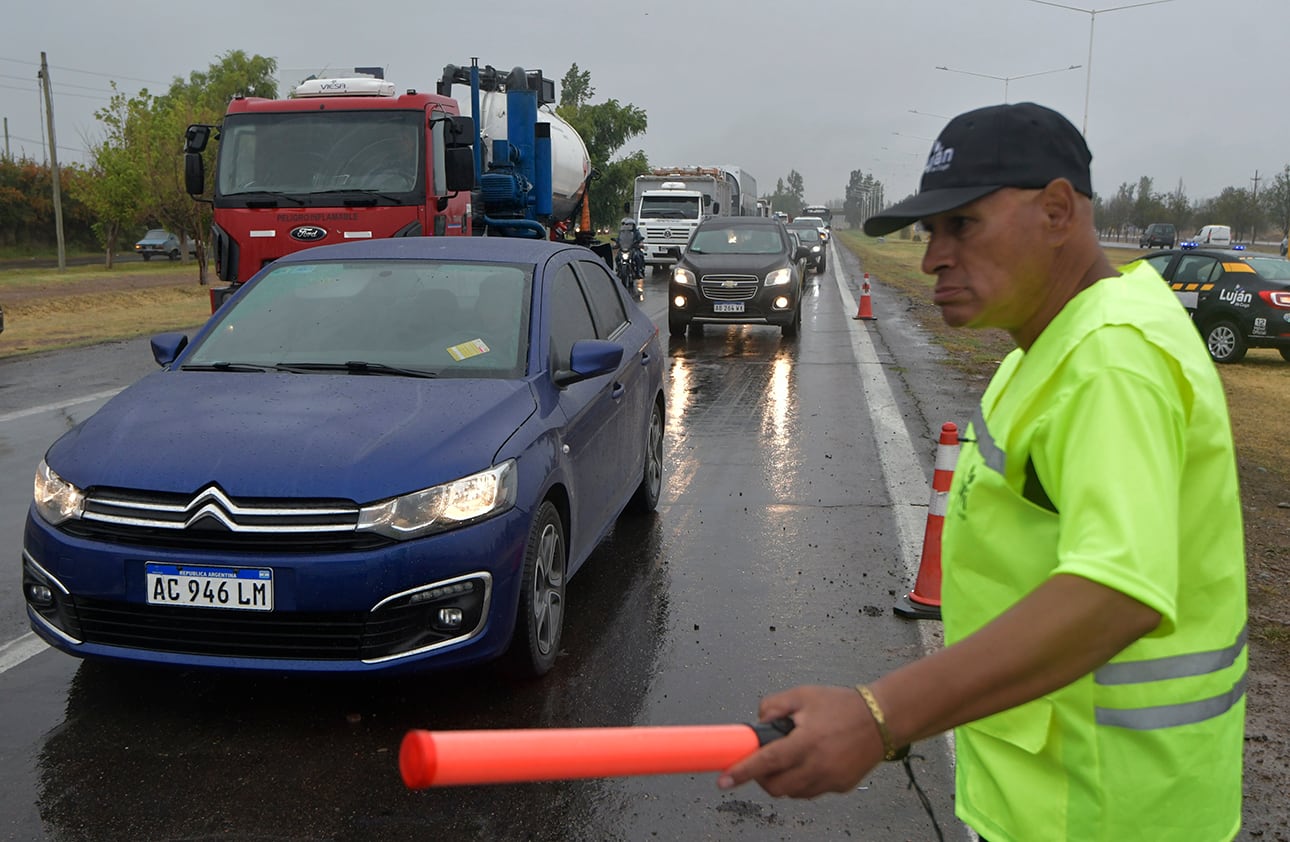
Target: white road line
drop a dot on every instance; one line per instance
(50, 407)
(16, 651)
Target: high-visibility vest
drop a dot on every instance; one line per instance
(1105, 451)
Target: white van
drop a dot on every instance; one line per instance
(1214, 236)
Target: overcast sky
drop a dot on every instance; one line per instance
(1186, 90)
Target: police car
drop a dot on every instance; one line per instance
(1238, 299)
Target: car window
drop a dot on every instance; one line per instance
(1271, 268)
(735, 240)
(606, 304)
(570, 316)
(1160, 263)
(1195, 269)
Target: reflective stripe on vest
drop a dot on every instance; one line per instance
(1170, 667)
(994, 458)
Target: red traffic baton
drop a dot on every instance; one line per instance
(456, 758)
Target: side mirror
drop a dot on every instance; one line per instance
(459, 169)
(166, 347)
(461, 131)
(196, 137)
(590, 358)
(194, 174)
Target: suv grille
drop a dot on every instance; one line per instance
(729, 287)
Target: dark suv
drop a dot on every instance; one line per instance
(1157, 234)
(737, 270)
(814, 242)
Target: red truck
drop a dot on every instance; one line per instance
(352, 158)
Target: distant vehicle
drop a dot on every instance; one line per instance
(811, 222)
(822, 212)
(380, 455)
(1238, 299)
(814, 242)
(1210, 236)
(1161, 234)
(737, 270)
(159, 242)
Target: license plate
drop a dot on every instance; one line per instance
(240, 588)
(728, 307)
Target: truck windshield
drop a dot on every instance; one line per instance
(303, 152)
(669, 207)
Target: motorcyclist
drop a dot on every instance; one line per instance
(630, 239)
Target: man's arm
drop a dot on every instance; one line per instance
(1064, 629)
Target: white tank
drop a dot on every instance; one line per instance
(570, 163)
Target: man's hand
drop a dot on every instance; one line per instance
(833, 745)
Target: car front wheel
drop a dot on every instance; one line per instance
(676, 326)
(645, 500)
(147, 256)
(1225, 343)
(540, 619)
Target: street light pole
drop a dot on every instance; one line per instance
(1092, 19)
(1007, 79)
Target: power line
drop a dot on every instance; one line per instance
(86, 72)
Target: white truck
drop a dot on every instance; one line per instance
(668, 203)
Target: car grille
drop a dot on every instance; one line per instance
(729, 287)
(212, 520)
(332, 636)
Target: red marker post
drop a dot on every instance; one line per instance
(456, 758)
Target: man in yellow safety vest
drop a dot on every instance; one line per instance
(1095, 624)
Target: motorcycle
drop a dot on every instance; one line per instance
(629, 265)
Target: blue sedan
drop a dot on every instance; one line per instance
(376, 456)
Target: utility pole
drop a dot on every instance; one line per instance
(1254, 210)
(6, 138)
(53, 163)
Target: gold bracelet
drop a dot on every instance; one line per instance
(889, 752)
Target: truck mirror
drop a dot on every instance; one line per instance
(459, 168)
(194, 174)
(716, 208)
(196, 137)
(461, 131)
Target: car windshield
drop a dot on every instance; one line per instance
(439, 318)
(749, 240)
(1271, 268)
(805, 221)
(670, 207)
(155, 234)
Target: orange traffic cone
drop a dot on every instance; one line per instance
(866, 309)
(924, 602)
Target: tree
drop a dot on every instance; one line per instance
(115, 188)
(789, 195)
(605, 128)
(1276, 200)
(864, 197)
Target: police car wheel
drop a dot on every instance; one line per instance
(1225, 343)
(1285, 354)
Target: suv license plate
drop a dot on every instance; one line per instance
(728, 307)
(241, 588)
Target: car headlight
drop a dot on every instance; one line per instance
(815, 248)
(57, 500)
(683, 276)
(443, 507)
(779, 277)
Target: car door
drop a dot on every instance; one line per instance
(591, 410)
(631, 420)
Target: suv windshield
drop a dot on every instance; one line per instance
(759, 240)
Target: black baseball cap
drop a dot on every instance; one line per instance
(1020, 145)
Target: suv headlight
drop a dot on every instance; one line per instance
(779, 277)
(443, 507)
(57, 500)
(683, 276)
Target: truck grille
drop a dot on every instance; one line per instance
(664, 233)
(729, 287)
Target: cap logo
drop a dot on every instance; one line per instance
(939, 160)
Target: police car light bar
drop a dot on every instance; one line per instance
(1238, 247)
(357, 86)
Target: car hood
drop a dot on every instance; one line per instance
(733, 264)
(356, 437)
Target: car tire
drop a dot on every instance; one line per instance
(675, 326)
(647, 495)
(819, 267)
(147, 257)
(1285, 352)
(1225, 342)
(539, 620)
(791, 329)
(174, 254)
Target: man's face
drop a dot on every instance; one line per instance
(990, 260)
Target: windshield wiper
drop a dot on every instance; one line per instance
(220, 365)
(263, 198)
(356, 367)
(364, 196)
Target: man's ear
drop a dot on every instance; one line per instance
(1059, 202)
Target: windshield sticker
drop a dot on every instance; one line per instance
(466, 350)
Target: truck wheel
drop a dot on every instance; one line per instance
(1225, 343)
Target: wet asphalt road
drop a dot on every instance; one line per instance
(795, 495)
